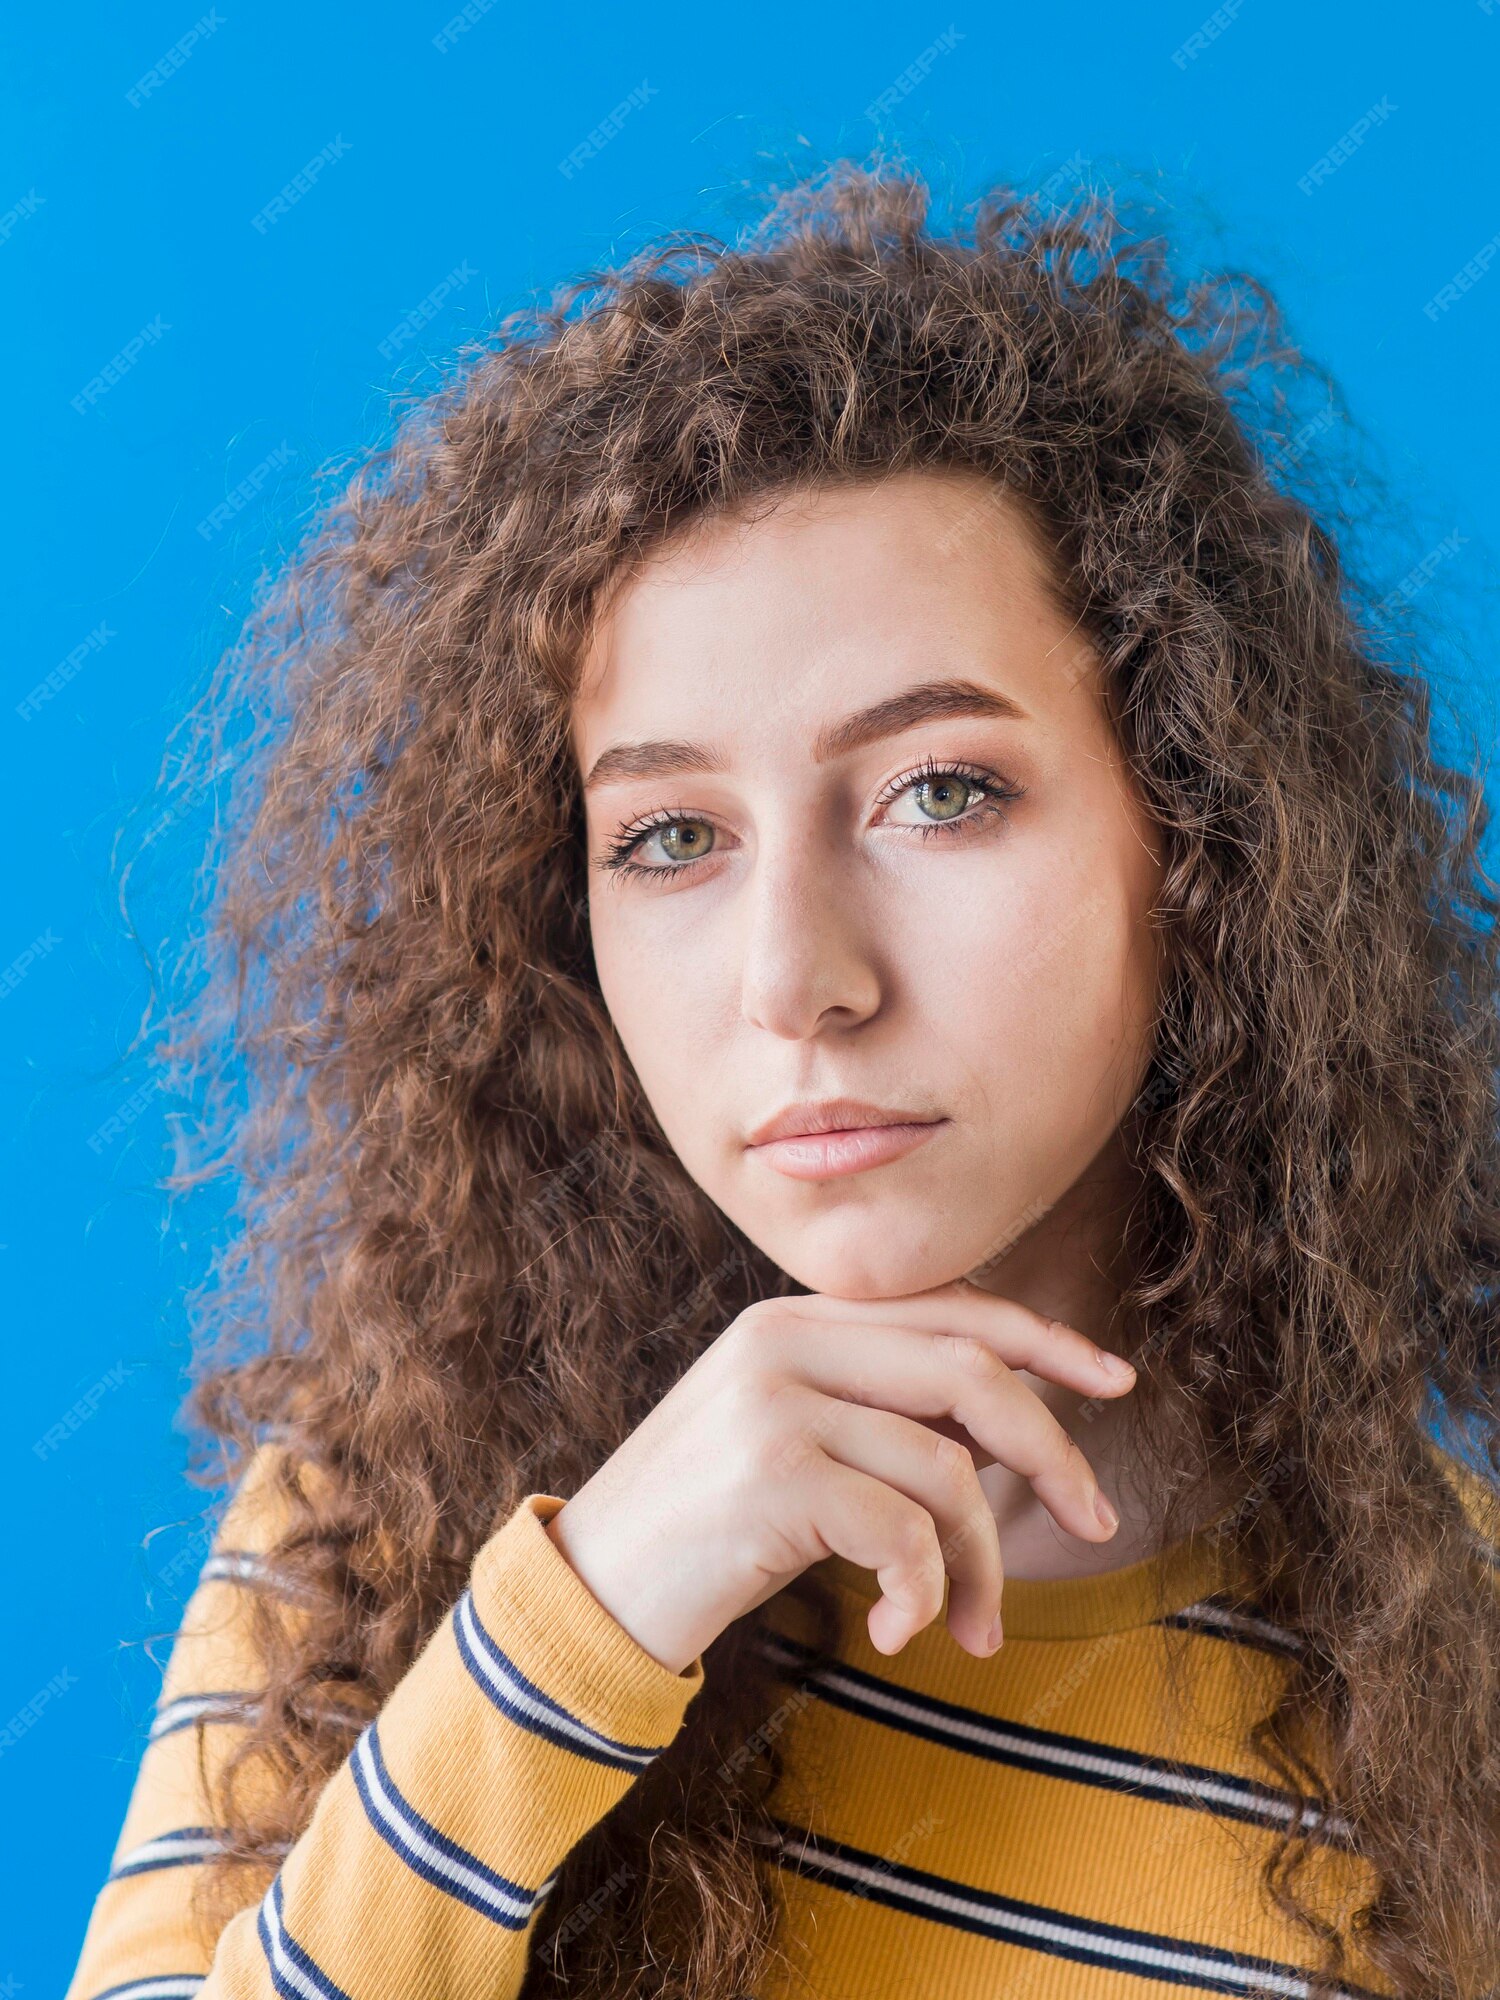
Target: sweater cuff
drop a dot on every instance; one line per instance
(561, 1637)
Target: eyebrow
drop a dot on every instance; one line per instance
(926, 701)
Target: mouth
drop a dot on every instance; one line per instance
(839, 1136)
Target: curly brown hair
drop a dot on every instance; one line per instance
(468, 1258)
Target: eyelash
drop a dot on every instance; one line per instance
(998, 793)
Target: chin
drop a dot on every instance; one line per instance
(877, 1268)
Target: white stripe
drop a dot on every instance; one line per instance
(233, 1568)
(188, 1707)
(281, 1959)
(412, 1836)
(244, 1566)
(1133, 1957)
(169, 1986)
(1239, 1621)
(167, 1847)
(994, 1735)
(522, 1698)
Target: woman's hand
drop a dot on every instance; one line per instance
(808, 1428)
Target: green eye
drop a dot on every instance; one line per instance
(945, 797)
(936, 797)
(681, 840)
(684, 839)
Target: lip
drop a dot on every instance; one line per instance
(838, 1136)
(831, 1114)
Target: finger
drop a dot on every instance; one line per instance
(878, 1528)
(957, 1375)
(1021, 1337)
(934, 1471)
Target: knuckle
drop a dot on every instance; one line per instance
(742, 1332)
(951, 1462)
(920, 1580)
(728, 1351)
(973, 1356)
(748, 1345)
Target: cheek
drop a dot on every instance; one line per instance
(667, 997)
(1057, 1000)
(624, 979)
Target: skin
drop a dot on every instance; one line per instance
(1000, 973)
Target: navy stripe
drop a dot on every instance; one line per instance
(1037, 1927)
(295, 1974)
(432, 1854)
(531, 1707)
(1048, 1752)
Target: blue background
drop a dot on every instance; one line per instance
(120, 215)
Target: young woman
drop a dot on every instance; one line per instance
(830, 852)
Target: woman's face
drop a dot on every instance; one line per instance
(898, 858)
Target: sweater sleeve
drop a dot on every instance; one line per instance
(524, 1719)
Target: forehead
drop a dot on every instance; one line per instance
(824, 592)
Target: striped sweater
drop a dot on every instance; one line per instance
(1039, 1824)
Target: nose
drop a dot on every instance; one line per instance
(808, 958)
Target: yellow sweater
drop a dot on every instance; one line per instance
(1038, 1824)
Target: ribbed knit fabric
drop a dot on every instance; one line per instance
(1044, 1823)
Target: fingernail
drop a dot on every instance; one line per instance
(1108, 1518)
(1115, 1364)
(995, 1633)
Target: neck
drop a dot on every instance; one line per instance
(1067, 1266)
